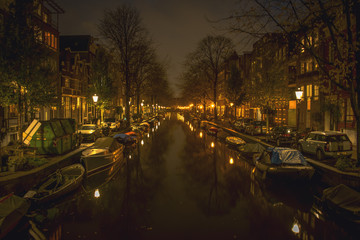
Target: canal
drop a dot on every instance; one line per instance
(181, 183)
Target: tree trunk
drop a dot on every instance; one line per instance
(357, 60)
(127, 98)
(19, 117)
(138, 102)
(215, 103)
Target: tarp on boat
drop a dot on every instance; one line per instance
(12, 209)
(286, 156)
(252, 147)
(343, 197)
(106, 143)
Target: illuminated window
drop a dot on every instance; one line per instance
(309, 91)
(316, 39)
(302, 45)
(316, 92)
(45, 18)
(47, 38)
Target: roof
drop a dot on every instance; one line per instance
(75, 42)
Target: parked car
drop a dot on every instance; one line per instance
(256, 128)
(281, 135)
(89, 132)
(326, 144)
(112, 124)
(241, 124)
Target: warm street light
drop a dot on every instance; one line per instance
(299, 94)
(231, 104)
(95, 99)
(212, 105)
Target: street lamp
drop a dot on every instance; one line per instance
(95, 99)
(299, 94)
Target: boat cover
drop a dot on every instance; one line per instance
(286, 156)
(343, 197)
(106, 143)
(252, 147)
(12, 209)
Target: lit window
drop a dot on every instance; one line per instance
(45, 18)
(302, 45)
(316, 92)
(309, 91)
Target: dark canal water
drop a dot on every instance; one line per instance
(180, 183)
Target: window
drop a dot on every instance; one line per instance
(316, 92)
(302, 67)
(302, 49)
(309, 91)
(45, 18)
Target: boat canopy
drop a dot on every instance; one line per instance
(286, 156)
(252, 147)
(106, 143)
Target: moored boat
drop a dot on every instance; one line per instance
(284, 164)
(57, 184)
(250, 150)
(12, 209)
(105, 152)
(235, 141)
(213, 131)
(343, 201)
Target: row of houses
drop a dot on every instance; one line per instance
(72, 57)
(275, 69)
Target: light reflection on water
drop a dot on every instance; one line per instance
(181, 184)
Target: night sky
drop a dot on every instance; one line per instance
(176, 26)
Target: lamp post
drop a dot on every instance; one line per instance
(299, 94)
(95, 99)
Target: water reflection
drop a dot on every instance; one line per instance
(181, 183)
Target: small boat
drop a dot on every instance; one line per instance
(57, 184)
(213, 131)
(343, 201)
(105, 152)
(251, 150)
(284, 164)
(125, 139)
(235, 141)
(12, 209)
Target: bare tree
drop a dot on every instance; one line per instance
(194, 87)
(123, 28)
(314, 26)
(209, 56)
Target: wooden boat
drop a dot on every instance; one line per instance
(57, 184)
(235, 141)
(12, 209)
(284, 164)
(343, 201)
(213, 131)
(105, 152)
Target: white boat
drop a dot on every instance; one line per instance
(104, 153)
